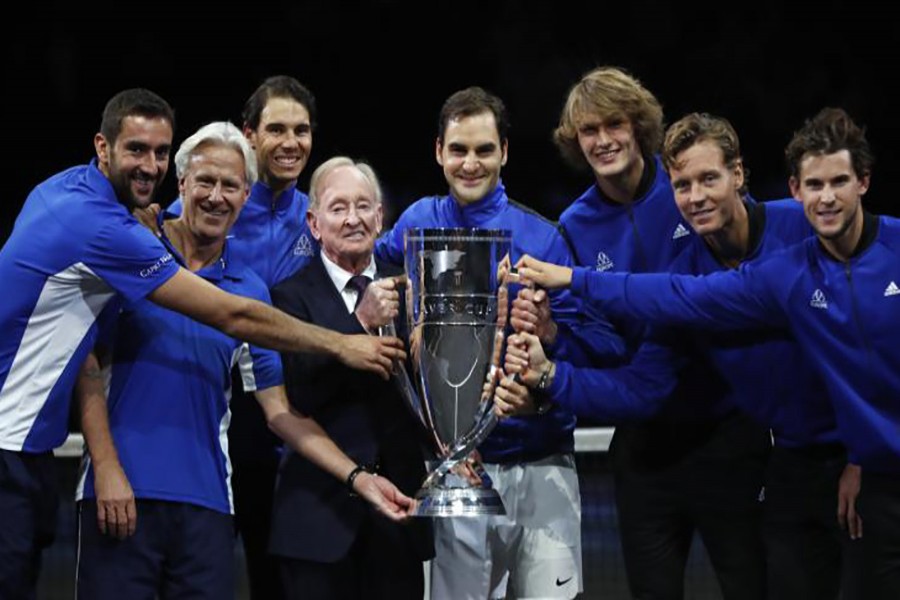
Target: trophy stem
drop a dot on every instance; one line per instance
(463, 447)
(447, 499)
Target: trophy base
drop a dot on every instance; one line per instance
(458, 502)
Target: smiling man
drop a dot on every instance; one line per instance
(272, 233)
(272, 237)
(330, 544)
(535, 550)
(612, 126)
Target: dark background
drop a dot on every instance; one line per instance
(380, 71)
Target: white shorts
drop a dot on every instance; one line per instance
(534, 550)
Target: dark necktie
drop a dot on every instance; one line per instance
(359, 283)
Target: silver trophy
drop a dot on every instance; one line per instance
(457, 308)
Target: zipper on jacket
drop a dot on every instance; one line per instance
(853, 310)
(639, 246)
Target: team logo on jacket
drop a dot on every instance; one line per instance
(680, 232)
(892, 289)
(604, 263)
(304, 246)
(818, 299)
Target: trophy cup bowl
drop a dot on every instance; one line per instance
(457, 308)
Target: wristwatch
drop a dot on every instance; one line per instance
(542, 403)
(546, 378)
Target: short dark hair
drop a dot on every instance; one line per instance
(278, 86)
(129, 103)
(830, 131)
(701, 127)
(473, 101)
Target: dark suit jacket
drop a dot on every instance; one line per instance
(314, 517)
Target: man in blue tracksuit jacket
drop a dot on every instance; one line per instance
(271, 237)
(837, 293)
(537, 545)
(628, 221)
(764, 372)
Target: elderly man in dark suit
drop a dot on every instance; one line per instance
(332, 544)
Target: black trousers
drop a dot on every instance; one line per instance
(254, 452)
(705, 479)
(179, 551)
(29, 499)
(381, 563)
(879, 506)
(808, 555)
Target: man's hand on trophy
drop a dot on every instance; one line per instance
(547, 275)
(380, 303)
(384, 496)
(511, 399)
(531, 314)
(504, 266)
(525, 358)
(470, 469)
(531, 370)
(370, 353)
